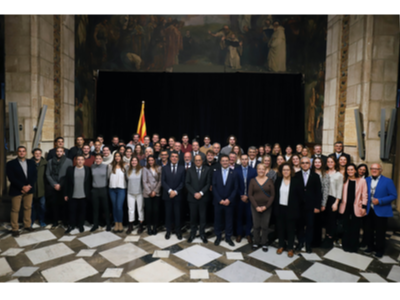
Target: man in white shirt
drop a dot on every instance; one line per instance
(252, 152)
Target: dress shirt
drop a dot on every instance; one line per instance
(252, 163)
(188, 165)
(306, 176)
(338, 154)
(374, 183)
(227, 174)
(24, 166)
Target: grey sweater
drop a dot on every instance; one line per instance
(61, 175)
(99, 175)
(134, 182)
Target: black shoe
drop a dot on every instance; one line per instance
(191, 238)
(204, 239)
(130, 228)
(54, 226)
(15, 233)
(140, 230)
(29, 229)
(230, 242)
(299, 246)
(81, 229)
(149, 231)
(69, 229)
(368, 251)
(308, 249)
(265, 248)
(108, 228)
(94, 228)
(179, 236)
(167, 235)
(155, 231)
(378, 254)
(217, 241)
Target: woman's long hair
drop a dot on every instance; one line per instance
(323, 166)
(137, 168)
(155, 163)
(346, 176)
(114, 163)
(366, 168)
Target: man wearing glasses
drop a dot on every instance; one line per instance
(309, 205)
(381, 193)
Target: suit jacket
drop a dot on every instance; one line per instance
(203, 156)
(257, 162)
(173, 182)
(69, 182)
(251, 173)
(312, 192)
(324, 158)
(17, 177)
(227, 191)
(52, 153)
(196, 185)
(295, 197)
(385, 192)
(343, 154)
(360, 199)
(150, 182)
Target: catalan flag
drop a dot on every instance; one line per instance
(141, 128)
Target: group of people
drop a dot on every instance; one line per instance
(171, 182)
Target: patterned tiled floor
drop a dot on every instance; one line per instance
(49, 256)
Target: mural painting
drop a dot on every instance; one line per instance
(201, 43)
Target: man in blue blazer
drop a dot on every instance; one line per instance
(22, 174)
(224, 188)
(173, 181)
(381, 193)
(243, 207)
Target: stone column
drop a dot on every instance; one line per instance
(332, 81)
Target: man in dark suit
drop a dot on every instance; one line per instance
(339, 152)
(196, 151)
(76, 150)
(224, 188)
(59, 142)
(172, 181)
(178, 149)
(217, 152)
(22, 174)
(198, 181)
(243, 207)
(318, 154)
(310, 204)
(252, 153)
(78, 184)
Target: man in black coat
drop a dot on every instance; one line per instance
(22, 174)
(172, 181)
(77, 190)
(76, 150)
(310, 204)
(59, 142)
(339, 152)
(318, 154)
(198, 181)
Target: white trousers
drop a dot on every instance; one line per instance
(132, 200)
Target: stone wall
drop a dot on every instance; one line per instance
(29, 67)
(371, 81)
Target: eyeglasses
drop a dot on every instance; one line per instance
(374, 169)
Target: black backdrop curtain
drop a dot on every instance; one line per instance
(256, 108)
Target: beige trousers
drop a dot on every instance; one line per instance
(16, 206)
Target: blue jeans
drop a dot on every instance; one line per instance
(117, 199)
(38, 209)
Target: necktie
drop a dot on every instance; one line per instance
(305, 178)
(245, 180)
(173, 169)
(198, 173)
(187, 166)
(225, 176)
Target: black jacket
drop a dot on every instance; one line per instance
(295, 197)
(69, 182)
(194, 185)
(17, 177)
(312, 192)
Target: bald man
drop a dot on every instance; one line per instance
(310, 204)
(381, 193)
